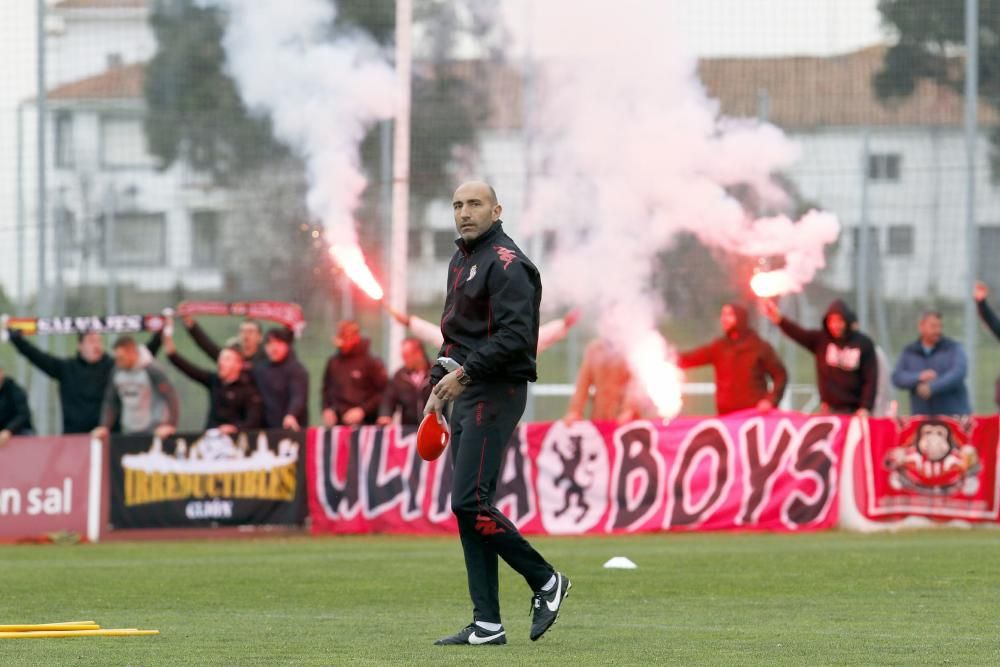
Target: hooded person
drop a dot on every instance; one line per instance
(748, 373)
(283, 383)
(354, 380)
(846, 364)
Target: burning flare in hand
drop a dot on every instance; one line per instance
(767, 284)
(659, 376)
(352, 262)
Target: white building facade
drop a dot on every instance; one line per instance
(113, 216)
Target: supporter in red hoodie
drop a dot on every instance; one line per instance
(748, 373)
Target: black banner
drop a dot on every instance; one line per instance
(208, 479)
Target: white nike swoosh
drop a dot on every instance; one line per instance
(476, 639)
(558, 598)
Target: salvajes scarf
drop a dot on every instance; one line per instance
(288, 314)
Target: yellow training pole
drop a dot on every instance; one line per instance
(82, 625)
(52, 634)
(61, 623)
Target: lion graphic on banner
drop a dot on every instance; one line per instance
(573, 478)
(934, 458)
(576, 487)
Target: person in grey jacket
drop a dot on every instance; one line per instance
(139, 396)
(933, 370)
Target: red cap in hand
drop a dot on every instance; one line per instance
(432, 436)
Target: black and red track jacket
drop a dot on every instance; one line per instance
(490, 321)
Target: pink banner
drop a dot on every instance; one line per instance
(934, 467)
(748, 471)
(45, 487)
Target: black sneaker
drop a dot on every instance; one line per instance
(474, 635)
(545, 606)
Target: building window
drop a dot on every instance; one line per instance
(987, 251)
(64, 222)
(884, 166)
(415, 244)
(137, 239)
(123, 143)
(205, 239)
(872, 240)
(64, 139)
(444, 244)
(900, 241)
(550, 242)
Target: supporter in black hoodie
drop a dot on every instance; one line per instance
(82, 379)
(846, 365)
(743, 362)
(283, 383)
(354, 380)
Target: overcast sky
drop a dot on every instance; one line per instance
(738, 27)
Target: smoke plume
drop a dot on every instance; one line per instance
(321, 91)
(633, 152)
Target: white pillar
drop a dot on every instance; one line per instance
(400, 180)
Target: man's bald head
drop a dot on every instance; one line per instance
(482, 188)
(476, 209)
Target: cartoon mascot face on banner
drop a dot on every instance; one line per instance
(934, 458)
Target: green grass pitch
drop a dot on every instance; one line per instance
(731, 599)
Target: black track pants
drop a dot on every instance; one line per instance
(483, 419)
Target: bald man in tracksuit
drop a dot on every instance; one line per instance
(490, 327)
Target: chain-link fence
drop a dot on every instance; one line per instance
(158, 185)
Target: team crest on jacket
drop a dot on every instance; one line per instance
(506, 255)
(472, 272)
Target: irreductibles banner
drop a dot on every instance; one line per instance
(771, 472)
(206, 479)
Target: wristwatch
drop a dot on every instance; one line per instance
(463, 378)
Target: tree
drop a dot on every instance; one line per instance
(930, 34)
(195, 114)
